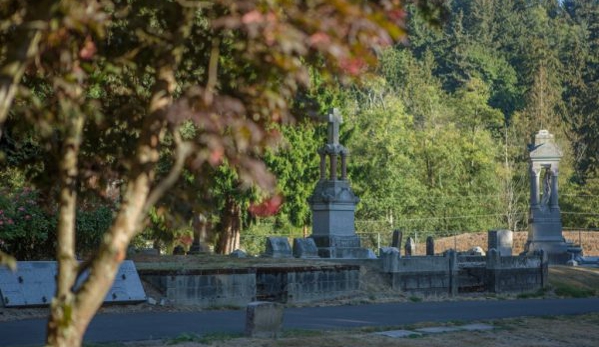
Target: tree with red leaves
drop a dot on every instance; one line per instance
(106, 87)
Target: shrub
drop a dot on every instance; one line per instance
(24, 225)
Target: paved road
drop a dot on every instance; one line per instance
(159, 325)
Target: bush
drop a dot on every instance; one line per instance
(91, 226)
(24, 226)
(28, 231)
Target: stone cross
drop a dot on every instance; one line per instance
(334, 119)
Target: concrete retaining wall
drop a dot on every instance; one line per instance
(516, 274)
(206, 288)
(238, 287)
(425, 275)
(304, 284)
(451, 274)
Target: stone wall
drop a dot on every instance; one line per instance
(206, 288)
(424, 275)
(304, 284)
(238, 287)
(516, 274)
(451, 274)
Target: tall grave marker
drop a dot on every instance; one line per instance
(545, 221)
(333, 202)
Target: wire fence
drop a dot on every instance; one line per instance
(580, 220)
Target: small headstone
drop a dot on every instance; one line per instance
(304, 248)
(277, 247)
(430, 246)
(263, 319)
(410, 248)
(396, 240)
(501, 240)
(572, 262)
(238, 253)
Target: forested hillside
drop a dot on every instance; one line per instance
(438, 132)
(456, 108)
(438, 136)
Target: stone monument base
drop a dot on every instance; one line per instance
(345, 247)
(558, 252)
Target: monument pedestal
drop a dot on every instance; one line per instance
(333, 205)
(347, 247)
(546, 234)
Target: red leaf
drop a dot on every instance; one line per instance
(268, 207)
(88, 50)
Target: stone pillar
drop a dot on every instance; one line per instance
(333, 173)
(343, 166)
(534, 186)
(323, 166)
(493, 270)
(554, 196)
(452, 259)
(410, 247)
(389, 259)
(396, 240)
(430, 246)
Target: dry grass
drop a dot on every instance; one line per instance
(580, 331)
(463, 242)
(574, 281)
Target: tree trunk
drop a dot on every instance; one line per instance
(228, 240)
(73, 310)
(61, 330)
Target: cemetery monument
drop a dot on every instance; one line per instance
(545, 222)
(333, 202)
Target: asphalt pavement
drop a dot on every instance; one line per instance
(165, 325)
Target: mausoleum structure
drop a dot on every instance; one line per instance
(545, 222)
(333, 202)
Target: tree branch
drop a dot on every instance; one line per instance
(21, 51)
(184, 150)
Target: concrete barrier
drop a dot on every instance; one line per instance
(426, 275)
(238, 287)
(516, 274)
(206, 288)
(308, 283)
(452, 274)
(263, 319)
